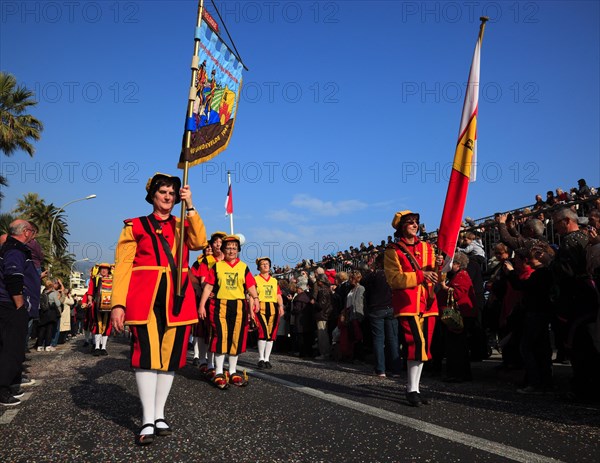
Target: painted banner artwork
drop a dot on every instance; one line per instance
(217, 90)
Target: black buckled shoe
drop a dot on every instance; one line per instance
(145, 439)
(413, 399)
(162, 431)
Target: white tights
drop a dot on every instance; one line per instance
(415, 368)
(153, 387)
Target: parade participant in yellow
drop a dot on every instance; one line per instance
(271, 309)
(229, 280)
(144, 296)
(409, 266)
(202, 332)
(198, 330)
(98, 297)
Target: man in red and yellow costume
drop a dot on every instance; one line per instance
(144, 296)
(409, 266)
(98, 298)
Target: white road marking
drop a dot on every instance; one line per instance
(505, 451)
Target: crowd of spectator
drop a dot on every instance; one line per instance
(527, 281)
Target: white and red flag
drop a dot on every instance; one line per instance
(229, 202)
(464, 166)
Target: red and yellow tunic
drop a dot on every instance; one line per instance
(206, 264)
(141, 263)
(99, 320)
(268, 318)
(229, 316)
(200, 270)
(410, 290)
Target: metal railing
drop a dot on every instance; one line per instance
(485, 227)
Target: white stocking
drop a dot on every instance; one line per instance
(163, 387)
(232, 364)
(196, 347)
(414, 368)
(97, 340)
(268, 350)
(211, 360)
(146, 383)
(104, 341)
(419, 377)
(262, 345)
(219, 362)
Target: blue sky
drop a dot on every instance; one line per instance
(349, 112)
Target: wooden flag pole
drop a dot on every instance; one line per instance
(188, 140)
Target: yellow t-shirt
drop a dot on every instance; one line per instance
(267, 289)
(231, 280)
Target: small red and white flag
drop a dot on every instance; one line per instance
(229, 202)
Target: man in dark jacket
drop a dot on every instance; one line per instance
(19, 296)
(532, 229)
(384, 327)
(577, 305)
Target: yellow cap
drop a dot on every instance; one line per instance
(399, 216)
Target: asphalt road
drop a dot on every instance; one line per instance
(85, 409)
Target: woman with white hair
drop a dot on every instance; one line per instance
(460, 287)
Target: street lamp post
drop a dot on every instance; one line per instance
(59, 210)
(80, 260)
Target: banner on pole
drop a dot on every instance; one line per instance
(217, 91)
(464, 165)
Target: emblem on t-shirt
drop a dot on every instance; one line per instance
(268, 291)
(231, 280)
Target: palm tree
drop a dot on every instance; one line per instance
(17, 128)
(61, 266)
(34, 209)
(5, 221)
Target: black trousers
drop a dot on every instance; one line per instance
(13, 331)
(45, 334)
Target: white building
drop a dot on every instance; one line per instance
(78, 284)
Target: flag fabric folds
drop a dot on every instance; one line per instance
(464, 166)
(229, 202)
(215, 95)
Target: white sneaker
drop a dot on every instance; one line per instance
(50, 349)
(40, 349)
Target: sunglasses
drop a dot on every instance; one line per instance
(411, 222)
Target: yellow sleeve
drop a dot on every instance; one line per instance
(196, 233)
(124, 255)
(395, 276)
